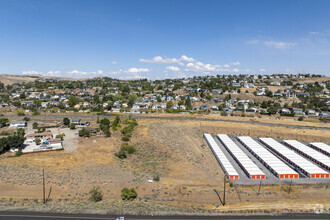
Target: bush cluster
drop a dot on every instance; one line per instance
(127, 131)
(95, 194)
(128, 194)
(125, 149)
(84, 133)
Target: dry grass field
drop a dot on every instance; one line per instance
(173, 149)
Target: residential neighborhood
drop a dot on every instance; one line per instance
(263, 94)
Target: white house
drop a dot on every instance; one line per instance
(18, 124)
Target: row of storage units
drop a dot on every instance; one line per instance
(247, 165)
(300, 163)
(269, 160)
(225, 164)
(309, 153)
(321, 147)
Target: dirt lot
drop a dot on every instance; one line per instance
(175, 150)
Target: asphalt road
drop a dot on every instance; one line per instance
(139, 116)
(52, 216)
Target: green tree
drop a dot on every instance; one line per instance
(96, 99)
(131, 100)
(20, 113)
(73, 100)
(159, 99)
(59, 136)
(35, 125)
(26, 119)
(72, 126)
(84, 133)
(15, 141)
(188, 103)
(169, 104)
(66, 121)
(272, 109)
(37, 141)
(19, 153)
(3, 122)
(125, 149)
(128, 194)
(121, 154)
(20, 132)
(105, 127)
(116, 122)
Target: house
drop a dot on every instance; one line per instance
(248, 85)
(86, 104)
(261, 92)
(28, 104)
(204, 107)
(298, 112)
(303, 94)
(217, 91)
(285, 111)
(78, 122)
(290, 94)
(236, 85)
(44, 104)
(252, 110)
(135, 107)
(311, 112)
(53, 103)
(42, 136)
(239, 109)
(277, 94)
(18, 124)
(324, 114)
(275, 84)
(262, 88)
(93, 131)
(163, 105)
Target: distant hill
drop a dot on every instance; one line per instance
(8, 79)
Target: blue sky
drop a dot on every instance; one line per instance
(163, 39)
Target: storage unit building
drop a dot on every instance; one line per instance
(221, 158)
(274, 164)
(322, 147)
(300, 163)
(247, 165)
(309, 153)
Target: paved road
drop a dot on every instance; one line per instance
(46, 216)
(59, 117)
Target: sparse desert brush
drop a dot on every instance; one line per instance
(95, 194)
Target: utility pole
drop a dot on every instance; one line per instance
(43, 183)
(290, 187)
(224, 190)
(259, 188)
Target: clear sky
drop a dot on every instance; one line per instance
(164, 39)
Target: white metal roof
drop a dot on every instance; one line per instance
(275, 163)
(322, 146)
(245, 161)
(320, 157)
(220, 156)
(291, 155)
